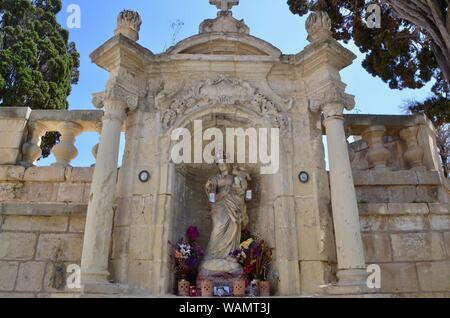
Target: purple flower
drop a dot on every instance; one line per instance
(256, 250)
(193, 233)
(192, 262)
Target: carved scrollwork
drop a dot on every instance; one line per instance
(120, 88)
(222, 90)
(332, 102)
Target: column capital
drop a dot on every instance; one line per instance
(116, 103)
(117, 95)
(332, 102)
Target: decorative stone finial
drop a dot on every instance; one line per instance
(129, 24)
(318, 26)
(224, 5)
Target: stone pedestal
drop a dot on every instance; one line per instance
(13, 121)
(219, 279)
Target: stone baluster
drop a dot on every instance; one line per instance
(414, 153)
(378, 156)
(65, 151)
(31, 150)
(349, 246)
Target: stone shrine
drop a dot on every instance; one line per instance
(384, 200)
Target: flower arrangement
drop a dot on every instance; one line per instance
(255, 256)
(187, 253)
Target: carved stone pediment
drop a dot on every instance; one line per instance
(219, 91)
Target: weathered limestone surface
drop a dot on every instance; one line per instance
(40, 231)
(405, 225)
(384, 202)
(13, 121)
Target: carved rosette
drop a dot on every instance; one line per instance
(332, 102)
(318, 26)
(129, 24)
(222, 90)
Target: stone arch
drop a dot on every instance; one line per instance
(239, 44)
(271, 215)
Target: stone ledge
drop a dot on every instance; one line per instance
(15, 112)
(11, 173)
(42, 209)
(45, 174)
(394, 209)
(386, 178)
(16, 173)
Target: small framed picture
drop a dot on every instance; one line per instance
(222, 291)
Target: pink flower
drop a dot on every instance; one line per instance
(193, 233)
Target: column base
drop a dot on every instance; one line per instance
(351, 282)
(92, 276)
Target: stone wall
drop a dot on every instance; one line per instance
(405, 223)
(42, 217)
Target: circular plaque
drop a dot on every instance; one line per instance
(144, 176)
(303, 177)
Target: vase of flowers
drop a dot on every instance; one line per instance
(186, 257)
(255, 256)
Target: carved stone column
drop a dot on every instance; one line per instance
(120, 97)
(98, 129)
(349, 246)
(414, 153)
(31, 150)
(97, 235)
(65, 151)
(377, 155)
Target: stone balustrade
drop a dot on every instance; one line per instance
(392, 143)
(23, 128)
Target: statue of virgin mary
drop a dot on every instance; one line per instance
(229, 217)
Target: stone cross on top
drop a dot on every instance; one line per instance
(224, 5)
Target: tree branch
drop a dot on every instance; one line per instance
(432, 21)
(440, 21)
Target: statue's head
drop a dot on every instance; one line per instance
(223, 167)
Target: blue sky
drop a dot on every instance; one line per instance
(270, 20)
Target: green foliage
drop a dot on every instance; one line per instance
(436, 108)
(399, 52)
(38, 65)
